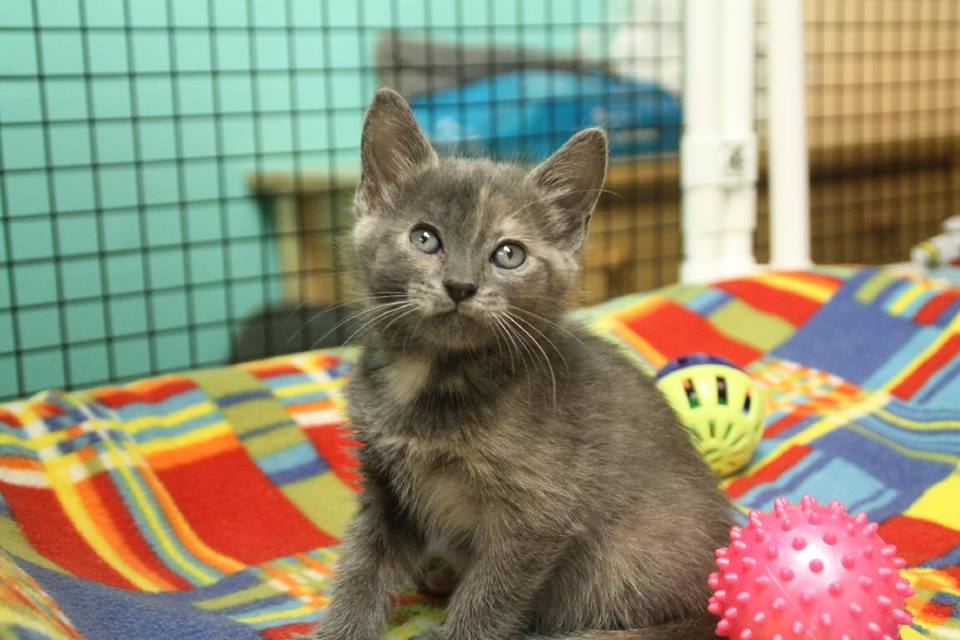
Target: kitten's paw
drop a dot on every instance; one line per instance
(438, 577)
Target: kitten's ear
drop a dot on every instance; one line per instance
(572, 179)
(392, 148)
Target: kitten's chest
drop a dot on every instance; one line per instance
(441, 484)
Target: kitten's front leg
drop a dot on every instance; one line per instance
(494, 597)
(375, 557)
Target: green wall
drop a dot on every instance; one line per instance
(127, 129)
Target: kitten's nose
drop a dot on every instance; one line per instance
(459, 291)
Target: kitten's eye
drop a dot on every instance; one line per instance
(508, 256)
(425, 239)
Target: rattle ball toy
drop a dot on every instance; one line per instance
(721, 406)
(809, 572)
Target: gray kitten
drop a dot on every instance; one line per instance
(550, 475)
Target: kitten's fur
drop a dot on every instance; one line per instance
(566, 495)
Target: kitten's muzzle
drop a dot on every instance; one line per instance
(459, 291)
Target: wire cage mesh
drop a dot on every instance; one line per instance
(883, 116)
(175, 175)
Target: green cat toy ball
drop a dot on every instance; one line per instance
(721, 406)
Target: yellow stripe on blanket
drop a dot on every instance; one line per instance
(283, 614)
(94, 506)
(193, 445)
(184, 532)
(951, 330)
(65, 488)
(916, 425)
(174, 419)
(309, 388)
(840, 418)
(798, 285)
(940, 503)
(906, 298)
(189, 566)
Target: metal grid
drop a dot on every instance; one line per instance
(883, 105)
(174, 174)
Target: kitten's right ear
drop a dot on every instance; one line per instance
(392, 148)
(573, 178)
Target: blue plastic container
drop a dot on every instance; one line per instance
(526, 115)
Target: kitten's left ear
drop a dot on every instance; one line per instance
(572, 178)
(392, 148)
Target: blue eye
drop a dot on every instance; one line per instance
(425, 239)
(508, 256)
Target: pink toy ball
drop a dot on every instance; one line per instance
(809, 572)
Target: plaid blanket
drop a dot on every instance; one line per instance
(209, 504)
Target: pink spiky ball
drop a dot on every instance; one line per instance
(809, 572)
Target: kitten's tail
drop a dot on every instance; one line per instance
(689, 629)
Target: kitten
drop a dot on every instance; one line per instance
(566, 497)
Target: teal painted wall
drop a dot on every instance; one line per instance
(127, 129)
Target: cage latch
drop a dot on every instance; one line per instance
(719, 161)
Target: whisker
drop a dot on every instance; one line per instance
(496, 334)
(557, 325)
(509, 325)
(545, 337)
(546, 358)
(334, 307)
(412, 309)
(292, 313)
(514, 349)
(359, 314)
(380, 316)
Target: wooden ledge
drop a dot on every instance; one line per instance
(627, 177)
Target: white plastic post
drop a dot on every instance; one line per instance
(789, 179)
(739, 145)
(703, 197)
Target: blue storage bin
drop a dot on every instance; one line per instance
(525, 115)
